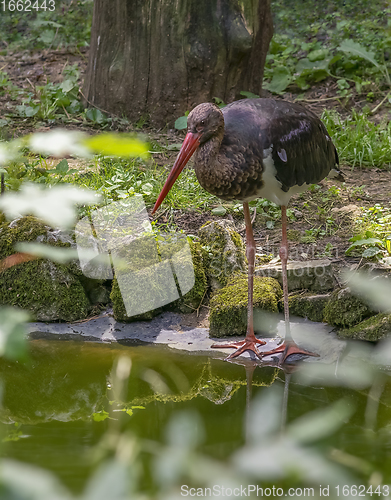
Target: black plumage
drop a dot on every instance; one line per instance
(250, 149)
(241, 139)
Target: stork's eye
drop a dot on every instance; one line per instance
(201, 126)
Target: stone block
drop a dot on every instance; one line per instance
(314, 275)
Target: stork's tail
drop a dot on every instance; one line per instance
(335, 172)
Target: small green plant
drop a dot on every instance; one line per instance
(67, 25)
(357, 50)
(181, 122)
(97, 117)
(367, 246)
(357, 191)
(35, 170)
(267, 210)
(373, 238)
(327, 252)
(51, 99)
(313, 234)
(323, 40)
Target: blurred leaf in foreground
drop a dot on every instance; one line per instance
(376, 291)
(56, 205)
(13, 343)
(21, 481)
(117, 145)
(59, 143)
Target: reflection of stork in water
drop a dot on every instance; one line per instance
(250, 368)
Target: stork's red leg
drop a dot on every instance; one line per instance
(289, 346)
(250, 342)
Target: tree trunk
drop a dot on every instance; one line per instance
(155, 59)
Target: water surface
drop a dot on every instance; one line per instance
(53, 406)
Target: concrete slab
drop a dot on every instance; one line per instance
(165, 329)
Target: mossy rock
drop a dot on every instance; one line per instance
(21, 229)
(314, 275)
(228, 307)
(142, 283)
(308, 305)
(223, 252)
(50, 291)
(345, 310)
(372, 329)
(192, 299)
(119, 309)
(151, 282)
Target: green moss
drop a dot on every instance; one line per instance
(47, 290)
(138, 278)
(344, 309)
(119, 310)
(23, 229)
(223, 252)
(193, 298)
(144, 281)
(236, 238)
(372, 329)
(308, 305)
(228, 307)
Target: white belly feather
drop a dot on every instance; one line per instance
(271, 188)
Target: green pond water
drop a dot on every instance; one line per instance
(53, 406)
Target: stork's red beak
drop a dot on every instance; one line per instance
(190, 144)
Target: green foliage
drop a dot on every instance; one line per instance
(359, 141)
(47, 102)
(67, 26)
(181, 122)
(268, 211)
(373, 238)
(329, 39)
(116, 179)
(96, 116)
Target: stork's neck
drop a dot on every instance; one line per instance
(206, 154)
(216, 170)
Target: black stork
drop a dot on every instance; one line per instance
(256, 148)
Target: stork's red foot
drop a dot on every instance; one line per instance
(288, 348)
(248, 344)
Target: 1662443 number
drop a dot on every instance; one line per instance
(353, 490)
(27, 5)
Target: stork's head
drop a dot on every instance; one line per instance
(204, 122)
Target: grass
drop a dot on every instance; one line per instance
(116, 179)
(359, 142)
